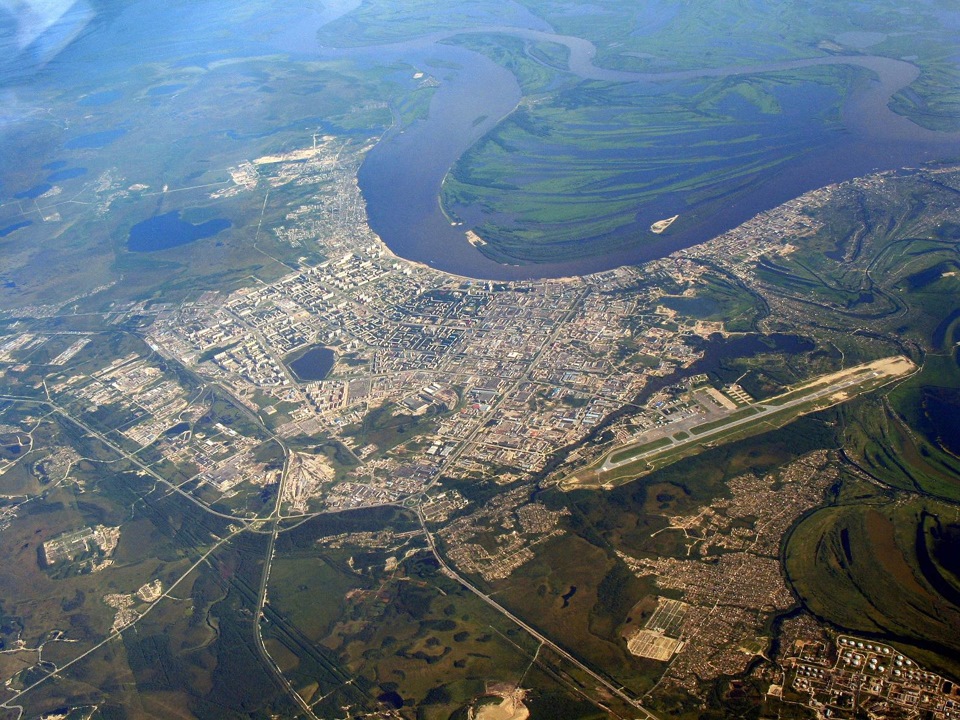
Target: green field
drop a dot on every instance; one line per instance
(355, 610)
(865, 574)
(408, 633)
(569, 172)
(639, 450)
(661, 36)
(666, 450)
(85, 246)
(881, 274)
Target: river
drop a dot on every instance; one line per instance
(401, 178)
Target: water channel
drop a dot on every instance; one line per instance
(401, 177)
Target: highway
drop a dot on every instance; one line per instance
(124, 454)
(618, 691)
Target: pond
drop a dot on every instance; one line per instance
(313, 364)
(162, 232)
(94, 141)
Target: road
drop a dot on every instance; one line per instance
(617, 691)
(124, 454)
(116, 633)
(466, 442)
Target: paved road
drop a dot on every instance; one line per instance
(618, 691)
(126, 455)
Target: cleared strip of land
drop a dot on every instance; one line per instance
(659, 447)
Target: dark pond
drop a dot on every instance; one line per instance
(162, 232)
(13, 228)
(719, 350)
(699, 307)
(946, 543)
(177, 429)
(94, 141)
(34, 192)
(314, 364)
(942, 406)
(392, 699)
(947, 548)
(939, 338)
(61, 175)
(920, 280)
(569, 595)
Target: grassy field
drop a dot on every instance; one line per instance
(639, 450)
(582, 170)
(261, 107)
(166, 666)
(858, 566)
(661, 35)
(881, 274)
(369, 620)
(405, 636)
(587, 624)
(665, 451)
(718, 298)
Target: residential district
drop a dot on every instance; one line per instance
(432, 374)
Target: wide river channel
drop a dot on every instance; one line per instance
(401, 177)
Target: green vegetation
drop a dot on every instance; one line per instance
(537, 66)
(718, 298)
(88, 250)
(881, 273)
(639, 450)
(172, 655)
(355, 609)
(587, 623)
(388, 426)
(562, 180)
(661, 36)
(408, 636)
(716, 424)
(864, 567)
(933, 100)
(559, 179)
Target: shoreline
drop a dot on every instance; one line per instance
(407, 212)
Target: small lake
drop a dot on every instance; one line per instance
(162, 232)
(698, 307)
(9, 229)
(94, 141)
(67, 174)
(34, 192)
(313, 364)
